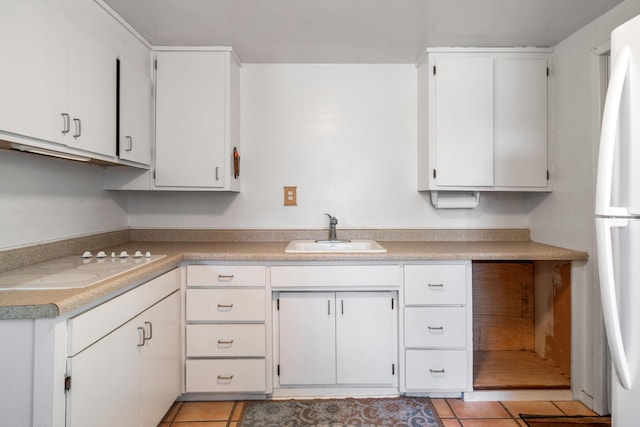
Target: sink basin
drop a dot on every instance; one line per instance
(334, 246)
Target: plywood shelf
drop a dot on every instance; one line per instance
(516, 370)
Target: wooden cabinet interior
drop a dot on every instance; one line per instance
(522, 325)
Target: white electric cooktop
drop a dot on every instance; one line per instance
(73, 272)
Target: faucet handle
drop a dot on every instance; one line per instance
(332, 219)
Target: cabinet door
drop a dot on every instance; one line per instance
(161, 360)
(104, 380)
(92, 94)
(307, 338)
(134, 140)
(365, 338)
(520, 142)
(33, 77)
(463, 121)
(191, 100)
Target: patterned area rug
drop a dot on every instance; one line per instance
(397, 412)
(558, 421)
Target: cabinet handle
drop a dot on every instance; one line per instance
(341, 306)
(150, 330)
(435, 328)
(435, 285)
(217, 175)
(225, 378)
(329, 307)
(66, 124)
(436, 371)
(225, 342)
(129, 143)
(229, 306)
(225, 278)
(78, 124)
(141, 336)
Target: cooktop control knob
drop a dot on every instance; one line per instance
(148, 254)
(86, 254)
(124, 254)
(138, 254)
(101, 254)
(113, 254)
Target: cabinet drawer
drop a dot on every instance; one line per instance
(436, 370)
(226, 275)
(226, 375)
(225, 305)
(435, 327)
(225, 341)
(435, 284)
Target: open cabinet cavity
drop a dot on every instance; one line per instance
(521, 325)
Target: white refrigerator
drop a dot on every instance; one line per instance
(618, 222)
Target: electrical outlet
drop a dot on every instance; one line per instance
(290, 197)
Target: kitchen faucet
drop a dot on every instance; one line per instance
(333, 221)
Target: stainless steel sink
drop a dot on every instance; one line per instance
(334, 246)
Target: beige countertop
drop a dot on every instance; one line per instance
(23, 304)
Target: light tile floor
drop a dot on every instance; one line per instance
(453, 412)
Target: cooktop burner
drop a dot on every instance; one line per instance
(72, 272)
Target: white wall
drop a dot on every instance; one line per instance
(345, 135)
(44, 199)
(565, 218)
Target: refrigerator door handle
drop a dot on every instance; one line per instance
(610, 120)
(609, 298)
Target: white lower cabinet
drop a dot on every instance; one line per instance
(438, 346)
(226, 334)
(126, 373)
(337, 338)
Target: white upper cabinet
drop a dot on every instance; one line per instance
(33, 78)
(520, 123)
(134, 139)
(60, 86)
(463, 121)
(197, 98)
(483, 120)
(92, 94)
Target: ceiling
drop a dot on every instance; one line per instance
(355, 31)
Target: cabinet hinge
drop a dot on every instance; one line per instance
(278, 369)
(67, 383)
(434, 70)
(434, 174)
(393, 369)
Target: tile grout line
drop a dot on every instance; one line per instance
(233, 411)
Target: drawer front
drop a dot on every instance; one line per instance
(226, 275)
(436, 370)
(435, 284)
(435, 327)
(226, 375)
(226, 305)
(387, 276)
(226, 341)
